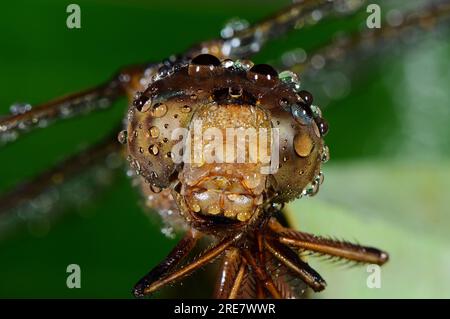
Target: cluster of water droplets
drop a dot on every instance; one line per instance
(134, 165)
(325, 155)
(168, 231)
(302, 113)
(19, 108)
(10, 134)
(313, 187)
(12, 127)
(235, 45)
(168, 67)
(39, 212)
(232, 26)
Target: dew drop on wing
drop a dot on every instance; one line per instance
(20, 108)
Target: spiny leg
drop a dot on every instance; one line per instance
(126, 82)
(149, 284)
(248, 41)
(178, 253)
(231, 275)
(326, 246)
(261, 275)
(292, 261)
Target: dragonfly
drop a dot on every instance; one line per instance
(259, 253)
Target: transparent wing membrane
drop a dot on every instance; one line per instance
(72, 183)
(25, 118)
(328, 69)
(240, 40)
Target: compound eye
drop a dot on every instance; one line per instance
(301, 148)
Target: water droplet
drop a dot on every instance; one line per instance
(122, 136)
(196, 208)
(252, 181)
(155, 189)
(159, 110)
(235, 92)
(316, 15)
(300, 115)
(319, 178)
(142, 103)
(291, 79)
(154, 132)
(19, 108)
(394, 18)
(306, 97)
(284, 103)
(136, 166)
(168, 232)
(325, 154)
(323, 126)
(318, 61)
(214, 210)
(230, 213)
(262, 71)
(185, 109)
(228, 63)
(203, 64)
(232, 27)
(244, 65)
(164, 71)
(293, 57)
(316, 111)
(303, 144)
(141, 150)
(243, 216)
(311, 189)
(153, 149)
(205, 59)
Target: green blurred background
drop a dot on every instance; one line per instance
(386, 185)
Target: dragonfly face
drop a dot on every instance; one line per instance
(228, 137)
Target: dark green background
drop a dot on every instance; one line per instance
(386, 184)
